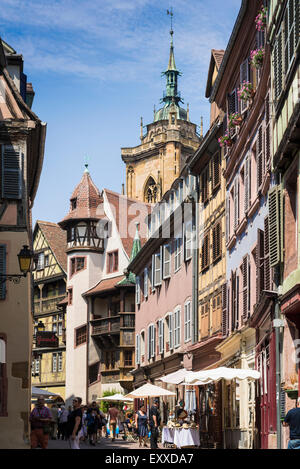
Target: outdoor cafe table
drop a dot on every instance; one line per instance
(181, 436)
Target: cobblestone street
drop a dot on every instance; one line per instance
(105, 443)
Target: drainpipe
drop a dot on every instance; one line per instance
(195, 197)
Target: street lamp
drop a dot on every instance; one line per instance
(25, 258)
(41, 326)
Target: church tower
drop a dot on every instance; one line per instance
(153, 165)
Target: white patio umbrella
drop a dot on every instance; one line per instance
(149, 390)
(115, 398)
(177, 377)
(36, 392)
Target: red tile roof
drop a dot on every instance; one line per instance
(57, 240)
(104, 285)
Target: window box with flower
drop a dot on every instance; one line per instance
(225, 140)
(234, 120)
(257, 57)
(261, 19)
(246, 91)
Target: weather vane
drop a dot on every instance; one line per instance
(170, 12)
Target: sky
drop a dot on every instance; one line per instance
(96, 70)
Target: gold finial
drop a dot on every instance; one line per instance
(170, 12)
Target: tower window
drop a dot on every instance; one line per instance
(112, 261)
(73, 204)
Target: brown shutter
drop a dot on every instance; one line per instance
(267, 268)
(216, 170)
(274, 226)
(259, 157)
(267, 132)
(224, 310)
(278, 65)
(236, 202)
(245, 271)
(259, 264)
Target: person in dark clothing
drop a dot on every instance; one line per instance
(292, 419)
(74, 423)
(154, 423)
(93, 423)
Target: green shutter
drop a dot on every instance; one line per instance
(274, 226)
(278, 66)
(11, 172)
(2, 270)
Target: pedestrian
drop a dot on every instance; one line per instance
(75, 423)
(102, 424)
(54, 425)
(93, 423)
(40, 419)
(292, 420)
(113, 414)
(62, 424)
(141, 423)
(154, 423)
(84, 423)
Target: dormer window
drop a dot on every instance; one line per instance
(73, 204)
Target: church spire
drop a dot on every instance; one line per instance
(171, 94)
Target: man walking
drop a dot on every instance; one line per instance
(75, 423)
(292, 419)
(154, 422)
(113, 414)
(40, 419)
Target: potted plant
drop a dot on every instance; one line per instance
(235, 119)
(261, 19)
(246, 91)
(225, 140)
(291, 388)
(257, 57)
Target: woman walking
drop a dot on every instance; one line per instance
(141, 423)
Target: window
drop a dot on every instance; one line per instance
(246, 287)
(2, 270)
(177, 256)
(227, 217)
(112, 262)
(216, 242)
(236, 199)
(70, 296)
(187, 321)
(234, 300)
(11, 183)
(167, 261)
(59, 356)
(247, 182)
(161, 336)
(73, 204)
(260, 157)
(77, 264)
(291, 35)
(127, 358)
(80, 336)
(54, 362)
(151, 341)
(177, 327)
(94, 373)
(46, 261)
(157, 266)
(216, 167)
(41, 261)
(205, 252)
(57, 323)
(204, 185)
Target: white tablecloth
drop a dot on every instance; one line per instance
(181, 436)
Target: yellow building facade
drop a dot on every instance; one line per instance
(48, 364)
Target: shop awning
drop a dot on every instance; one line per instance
(36, 392)
(149, 390)
(216, 374)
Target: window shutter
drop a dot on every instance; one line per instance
(188, 241)
(297, 24)
(259, 157)
(205, 251)
(278, 66)
(137, 349)
(259, 264)
(289, 33)
(267, 133)
(216, 170)
(153, 274)
(149, 342)
(171, 331)
(245, 71)
(227, 217)
(274, 226)
(157, 268)
(146, 282)
(246, 305)
(260, 39)
(153, 341)
(237, 296)
(2, 270)
(224, 310)
(138, 291)
(247, 182)
(11, 172)
(267, 269)
(167, 261)
(233, 296)
(233, 104)
(236, 202)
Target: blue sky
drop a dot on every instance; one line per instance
(96, 69)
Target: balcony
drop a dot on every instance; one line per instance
(106, 326)
(48, 305)
(127, 320)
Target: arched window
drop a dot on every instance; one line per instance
(151, 191)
